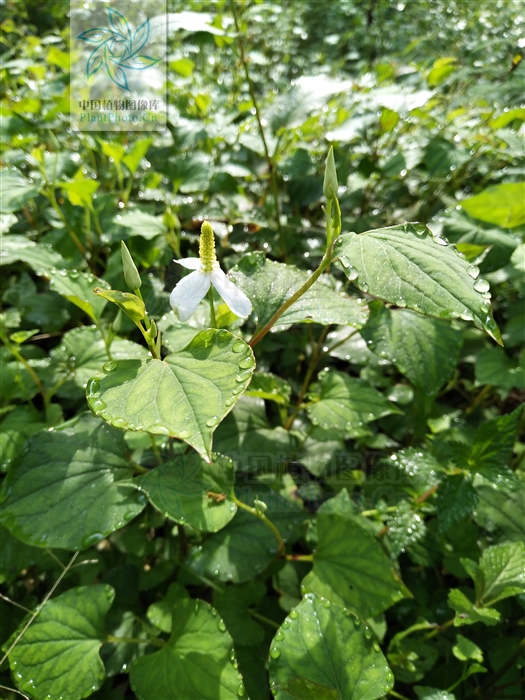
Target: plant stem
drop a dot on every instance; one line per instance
(266, 521)
(155, 447)
(299, 557)
(325, 262)
(269, 159)
(262, 618)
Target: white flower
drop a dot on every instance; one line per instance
(191, 290)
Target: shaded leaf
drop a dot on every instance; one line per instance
(503, 205)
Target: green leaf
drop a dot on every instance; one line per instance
(492, 449)
(351, 568)
(58, 656)
(247, 437)
(322, 652)
(503, 205)
(186, 395)
(161, 614)
(81, 354)
(495, 368)
(346, 403)
(78, 288)
(456, 500)
(140, 223)
(38, 256)
(19, 424)
(246, 545)
(195, 663)
(80, 192)
(17, 190)
(501, 511)
(408, 266)
(270, 387)
(499, 574)
(129, 303)
(465, 649)
(467, 613)
(136, 153)
(426, 350)
(269, 284)
(191, 491)
(235, 605)
(72, 469)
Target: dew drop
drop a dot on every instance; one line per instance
(293, 614)
(279, 636)
(184, 434)
(243, 376)
(221, 626)
(109, 366)
(439, 240)
(238, 346)
(473, 271)
(246, 363)
(275, 652)
(481, 286)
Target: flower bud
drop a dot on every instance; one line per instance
(330, 184)
(131, 274)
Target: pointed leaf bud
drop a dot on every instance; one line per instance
(131, 274)
(330, 184)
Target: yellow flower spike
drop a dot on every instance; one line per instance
(190, 291)
(207, 247)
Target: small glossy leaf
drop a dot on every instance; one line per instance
(195, 663)
(269, 284)
(499, 574)
(351, 568)
(426, 350)
(246, 545)
(503, 205)
(426, 693)
(80, 192)
(72, 469)
(456, 500)
(500, 511)
(58, 656)
(467, 613)
(139, 149)
(492, 449)
(186, 395)
(129, 303)
(270, 387)
(140, 223)
(346, 403)
(191, 491)
(465, 649)
(322, 652)
(495, 368)
(408, 266)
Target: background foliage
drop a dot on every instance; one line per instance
(380, 431)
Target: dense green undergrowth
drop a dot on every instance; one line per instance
(324, 501)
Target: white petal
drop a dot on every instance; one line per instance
(189, 292)
(190, 263)
(232, 295)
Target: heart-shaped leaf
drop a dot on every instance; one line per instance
(195, 663)
(186, 395)
(58, 655)
(323, 652)
(408, 266)
(75, 468)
